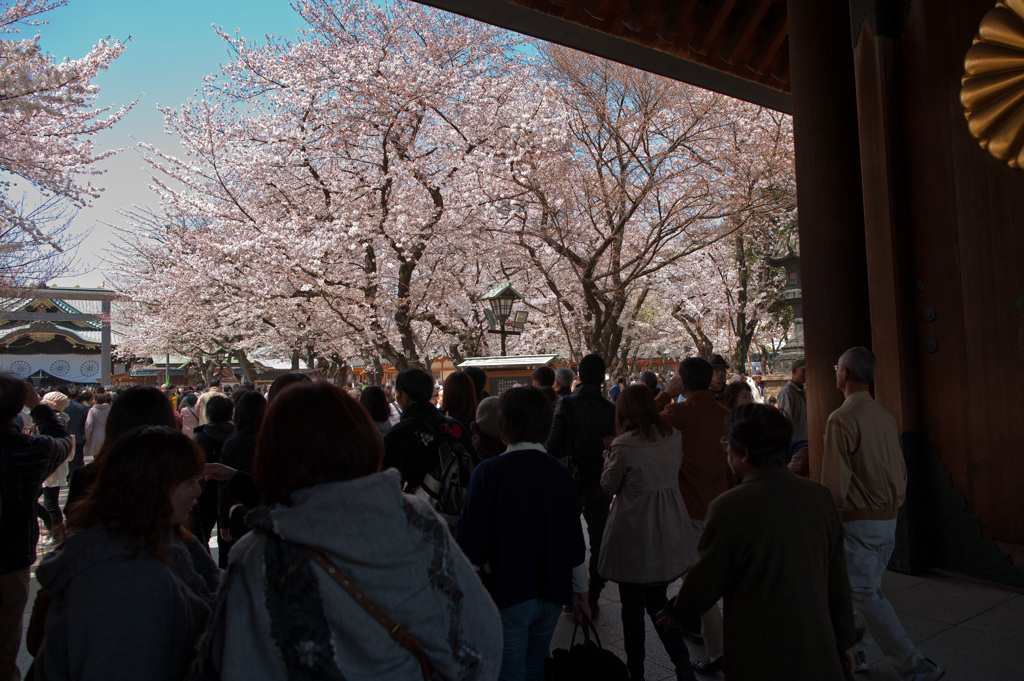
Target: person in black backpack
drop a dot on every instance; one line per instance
(412, 444)
(432, 452)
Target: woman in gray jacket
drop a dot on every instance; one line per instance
(337, 518)
(131, 587)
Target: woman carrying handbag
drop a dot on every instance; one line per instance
(648, 542)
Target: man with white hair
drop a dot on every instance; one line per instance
(864, 469)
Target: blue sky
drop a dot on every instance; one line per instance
(172, 47)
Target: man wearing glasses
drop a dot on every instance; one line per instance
(863, 467)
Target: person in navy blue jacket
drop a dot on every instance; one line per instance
(520, 528)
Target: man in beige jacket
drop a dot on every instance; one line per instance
(863, 467)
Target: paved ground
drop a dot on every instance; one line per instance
(974, 631)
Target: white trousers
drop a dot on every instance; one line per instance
(711, 621)
(869, 545)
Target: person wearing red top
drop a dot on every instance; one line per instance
(704, 473)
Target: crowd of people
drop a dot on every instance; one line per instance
(439, 533)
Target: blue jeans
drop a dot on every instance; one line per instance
(527, 628)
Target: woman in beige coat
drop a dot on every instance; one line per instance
(648, 541)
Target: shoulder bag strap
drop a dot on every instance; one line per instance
(397, 631)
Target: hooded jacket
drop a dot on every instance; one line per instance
(394, 548)
(118, 613)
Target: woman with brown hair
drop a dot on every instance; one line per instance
(648, 541)
(459, 403)
(737, 394)
(458, 399)
(338, 522)
(140, 405)
(131, 587)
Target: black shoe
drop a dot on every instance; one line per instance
(708, 667)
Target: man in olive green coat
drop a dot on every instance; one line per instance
(772, 549)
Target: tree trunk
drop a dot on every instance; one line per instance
(248, 370)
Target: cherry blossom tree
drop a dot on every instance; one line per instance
(651, 172)
(354, 191)
(48, 121)
(338, 177)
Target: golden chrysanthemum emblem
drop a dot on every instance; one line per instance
(992, 90)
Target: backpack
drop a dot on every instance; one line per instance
(445, 485)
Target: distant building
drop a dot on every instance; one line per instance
(50, 352)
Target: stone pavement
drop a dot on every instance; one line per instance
(974, 631)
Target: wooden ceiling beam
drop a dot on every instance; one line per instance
(678, 12)
(711, 23)
(599, 9)
(743, 31)
(635, 15)
(781, 70)
(771, 43)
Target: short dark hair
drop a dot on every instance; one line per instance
(375, 400)
(214, 382)
(249, 410)
(762, 432)
(219, 409)
(285, 380)
(545, 376)
(478, 375)
(524, 415)
(696, 373)
(650, 379)
(592, 369)
(311, 434)
(416, 383)
(12, 397)
(860, 364)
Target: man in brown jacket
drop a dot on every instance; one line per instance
(863, 467)
(704, 474)
(773, 549)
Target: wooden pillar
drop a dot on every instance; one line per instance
(883, 172)
(829, 199)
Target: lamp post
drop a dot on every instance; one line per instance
(501, 297)
(220, 362)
